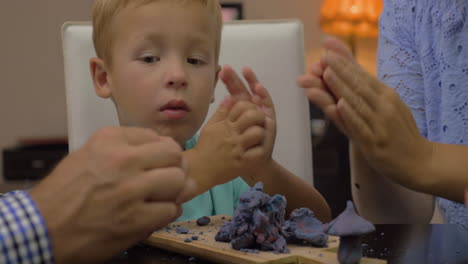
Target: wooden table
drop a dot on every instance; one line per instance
(396, 244)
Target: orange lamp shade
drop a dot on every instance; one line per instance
(351, 17)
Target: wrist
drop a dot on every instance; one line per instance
(202, 170)
(260, 172)
(422, 167)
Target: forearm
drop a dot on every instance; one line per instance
(383, 201)
(446, 174)
(298, 193)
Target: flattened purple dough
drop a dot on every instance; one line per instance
(303, 228)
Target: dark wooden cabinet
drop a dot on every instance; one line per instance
(331, 166)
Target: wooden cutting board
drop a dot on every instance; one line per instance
(207, 248)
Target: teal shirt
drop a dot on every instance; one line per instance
(221, 199)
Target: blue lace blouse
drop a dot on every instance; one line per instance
(423, 54)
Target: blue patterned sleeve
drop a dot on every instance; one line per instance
(398, 63)
(23, 233)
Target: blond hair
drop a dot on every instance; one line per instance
(105, 10)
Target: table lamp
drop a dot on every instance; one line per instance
(351, 18)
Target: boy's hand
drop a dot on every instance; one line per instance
(261, 98)
(231, 141)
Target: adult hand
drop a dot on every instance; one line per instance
(121, 186)
(317, 89)
(371, 114)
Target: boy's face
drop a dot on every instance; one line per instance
(164, 69)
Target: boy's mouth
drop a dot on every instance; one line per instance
(175, 109)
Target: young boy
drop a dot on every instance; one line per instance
(158, 61)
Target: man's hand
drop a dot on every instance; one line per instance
(121, 186)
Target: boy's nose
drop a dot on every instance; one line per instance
(176, 77)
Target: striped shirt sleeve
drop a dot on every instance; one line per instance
(23, 233)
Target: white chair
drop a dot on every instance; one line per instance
(274, 49)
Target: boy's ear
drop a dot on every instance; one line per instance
(100, 75)
(218, 70)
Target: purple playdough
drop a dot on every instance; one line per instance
(203, 221)
(349, 227)
(257, 222)
(303, 228)
(181, 230)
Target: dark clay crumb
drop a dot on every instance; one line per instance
(181, 230)
(203, 221)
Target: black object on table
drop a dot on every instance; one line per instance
(398, 244)
(32, 162)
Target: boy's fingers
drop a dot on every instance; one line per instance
(223, 111)
(261, 91)
(248, 119)
(252, 137)
(251, 78)
(239, 108)
(254, 152)
(266, 102)
(234, 84)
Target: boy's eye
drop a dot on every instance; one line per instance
(195, 61)
(150, 59)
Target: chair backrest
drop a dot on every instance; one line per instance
(275, 51)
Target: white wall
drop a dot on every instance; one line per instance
(32, 98)
(305, 10)
(308, 12)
